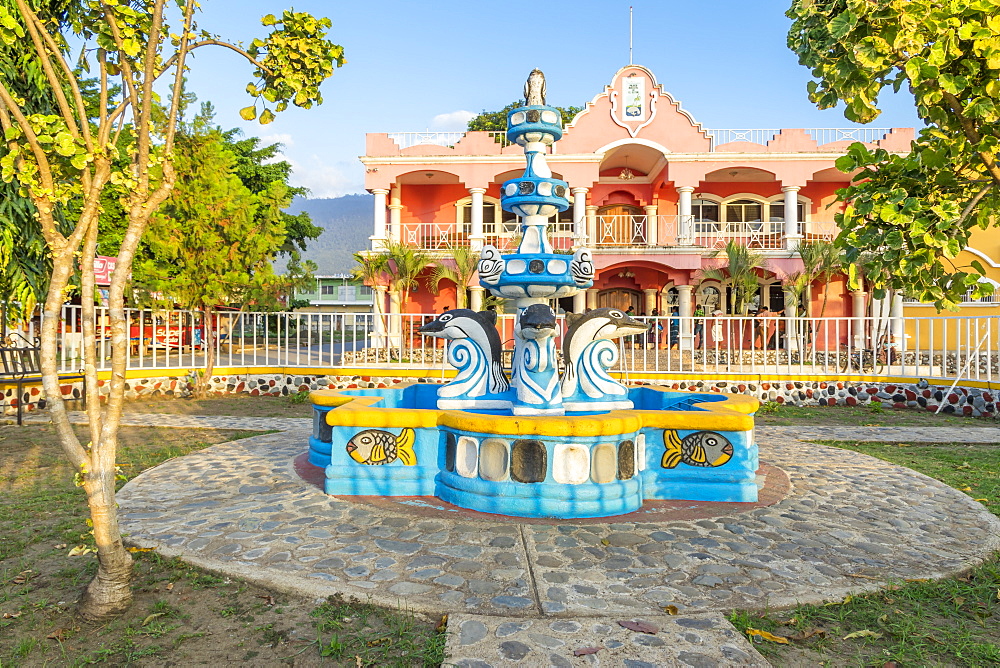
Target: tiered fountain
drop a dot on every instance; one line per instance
(541, 443)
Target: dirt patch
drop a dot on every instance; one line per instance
(292, 406)
(182, 615)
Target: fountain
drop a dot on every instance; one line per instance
(541, 443)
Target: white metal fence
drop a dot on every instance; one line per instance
(935, 348)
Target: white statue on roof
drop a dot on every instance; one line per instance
(534, 88)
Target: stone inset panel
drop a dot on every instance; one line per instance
(528, 461)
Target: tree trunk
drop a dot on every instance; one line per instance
(110, 592)
(208, 345)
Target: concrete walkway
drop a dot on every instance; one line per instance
(532, 593)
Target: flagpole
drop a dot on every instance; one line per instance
(630, 35)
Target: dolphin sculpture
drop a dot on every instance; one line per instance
(588, 354)
(535, 373)
(476, 353)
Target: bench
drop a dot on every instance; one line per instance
(21, 365)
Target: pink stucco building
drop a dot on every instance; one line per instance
(654, 194)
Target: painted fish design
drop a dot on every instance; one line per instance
(702, 448)
(376, 447)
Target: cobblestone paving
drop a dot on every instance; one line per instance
(972, 434)
(702, 640)
(239, 507)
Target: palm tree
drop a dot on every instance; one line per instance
(740, 270)
(821, 261)
(404, 265)
(466, 261)
(371, 271)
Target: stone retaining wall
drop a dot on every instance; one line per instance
(970, 401)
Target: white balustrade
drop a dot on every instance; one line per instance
(937, 348)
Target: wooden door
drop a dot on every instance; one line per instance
(620, 299)
(616, 225)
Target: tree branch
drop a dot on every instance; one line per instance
(972, 134)
(216, 42)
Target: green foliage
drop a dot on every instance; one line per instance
(465, 263)
(497, 120)
(404, 264)
(293, 60)
(912, 213)
(821, 261)
(740, 272)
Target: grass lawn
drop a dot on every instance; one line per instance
(952, 622)
(182, 615)
(872, 415)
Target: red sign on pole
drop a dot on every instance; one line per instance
(103, 268)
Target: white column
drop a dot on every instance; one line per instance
(378, 238)
(395, 321)
(650, 301)
(580, 302)
(896, 322)
(792, 326)
(477, 238)
(592, 235)
(685, 310)
(685, 222)
(476, 297)
(792, 236)
(395, 214)
(651, 231)
(592, 298)
(379, 328)
(580, 217)
(858, 313)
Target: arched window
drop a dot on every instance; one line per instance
(744, 211)
(705, 210)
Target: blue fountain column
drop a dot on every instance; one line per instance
(534, 275)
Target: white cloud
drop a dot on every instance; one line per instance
(453, 121)
(325, 179)
(282, 138)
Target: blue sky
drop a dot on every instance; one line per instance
(416, 66)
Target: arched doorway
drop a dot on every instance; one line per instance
(620, 298)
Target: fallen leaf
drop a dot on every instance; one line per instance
(670, 609)
(847, 599)
(804, 635)
(58, 635)
(586, 650)
(170, 585)
(965, 489)
(998, 594)
(640, 627)
(964, 465)
(12, 615)
(60, 546)
(153, 616)
(79, 551)
(764, 635)
(958, 600)
(790, 622)
(884, 618)
(890, 664)
(133, 550)
(863, 634)
(605, 541)
(981, 500)
(23, 577)
(442, 625)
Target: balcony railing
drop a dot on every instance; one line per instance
(718, 137)
(442, 236)
(624, 232)
(821, 135)
(435, 138)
